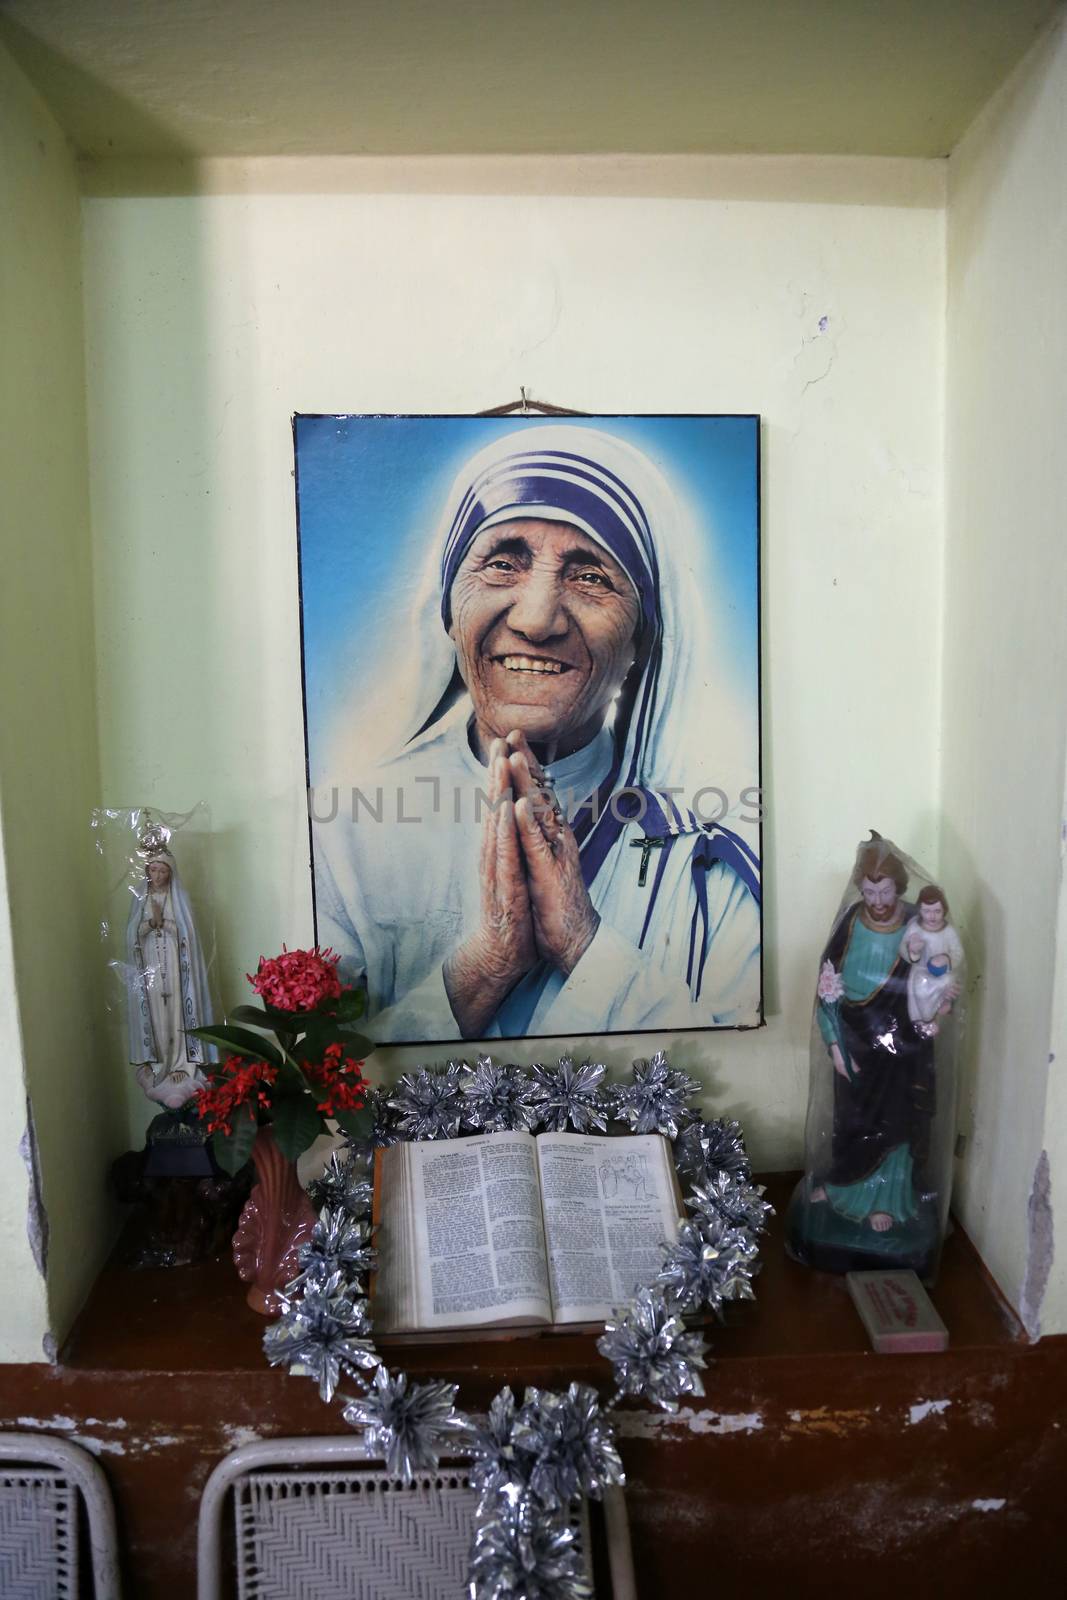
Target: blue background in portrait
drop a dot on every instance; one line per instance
(371, 492)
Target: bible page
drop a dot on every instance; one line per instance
(611, 1210)
(480, 1243)
(394, 1281)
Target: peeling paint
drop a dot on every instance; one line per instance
(1040, 1248)
(236, 1436)
(99, 1447)
(726, 1422)
(96, 1434)
(823, 1420)
(927, 1408)
(36, 1215)
(653, 1424)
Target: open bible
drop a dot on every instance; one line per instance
(508, 1230)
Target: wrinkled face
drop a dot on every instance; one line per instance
(158, 874)
(933, 915)
(544, 623)
(880, 897)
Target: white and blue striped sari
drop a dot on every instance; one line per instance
(678, 898)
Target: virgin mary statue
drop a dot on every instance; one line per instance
(168, 988)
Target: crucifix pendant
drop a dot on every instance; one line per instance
(646, 847)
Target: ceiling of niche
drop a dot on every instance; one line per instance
(343, 77)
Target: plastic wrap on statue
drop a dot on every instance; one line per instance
(168, 988)
(881, 1101)
(157, 934)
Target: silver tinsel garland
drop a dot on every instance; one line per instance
(651, 1352)
(530, 1462)
(429, 1104)
(569, 1443)
(499, 1099)
(709, 1262)
(573, 1097)
(738, 1203)
(656, 1100)
(514, 1558)
(338, 1244)
(346, 1183)
(386, 1130)
(322, 1335)
(409, 1426)
(706, 1148)
(499, 1467)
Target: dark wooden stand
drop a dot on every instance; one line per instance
(812, 1467)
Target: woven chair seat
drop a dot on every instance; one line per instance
(318, 1519)
(355, 1535)
(38, 1534)
(54, 1497)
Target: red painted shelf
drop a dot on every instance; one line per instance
(194, 1319)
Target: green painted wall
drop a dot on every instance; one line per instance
(210, 318)
(48, 747)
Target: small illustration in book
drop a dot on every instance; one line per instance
(625, 1178)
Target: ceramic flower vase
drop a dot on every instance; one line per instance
(277, 1219)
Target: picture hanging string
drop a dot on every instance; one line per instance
(527, 407)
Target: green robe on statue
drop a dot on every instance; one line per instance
(882, 1109)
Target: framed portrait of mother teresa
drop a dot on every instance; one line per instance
(531, 688)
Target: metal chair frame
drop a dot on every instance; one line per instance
(77, 1466)
(338, 1453)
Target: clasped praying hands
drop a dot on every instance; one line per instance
(534, 902)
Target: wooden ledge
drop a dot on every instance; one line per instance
(194, 1319)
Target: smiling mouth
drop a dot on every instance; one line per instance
(537, 664)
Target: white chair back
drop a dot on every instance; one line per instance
(315, 1519)
(42, 1481)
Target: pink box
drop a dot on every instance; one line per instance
(897, 1312)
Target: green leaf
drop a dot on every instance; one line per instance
(241, 1041)
(357, 1124)
(296, 1123)
(355, 1043)
(285, 1028)
(352, 1004)
(290, 1078)
(232, 1150)
(320, 1032)
(326, 1031)
(264, 1017)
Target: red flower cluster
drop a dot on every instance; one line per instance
(235, 1083)
(339, 1080)
(297, 980)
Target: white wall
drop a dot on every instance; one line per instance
(614, 286)
(1005, 707)
(49, 1049)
